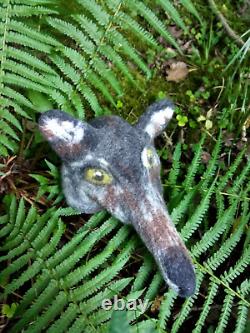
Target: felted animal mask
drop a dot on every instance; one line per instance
(107, 163)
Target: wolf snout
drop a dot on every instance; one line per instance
(162, 239)
(178, 270)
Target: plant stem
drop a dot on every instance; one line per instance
(225, 24)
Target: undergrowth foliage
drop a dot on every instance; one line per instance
(66, 281)
(75, 58)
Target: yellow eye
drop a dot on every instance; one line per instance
(150, 157)
(97, 176)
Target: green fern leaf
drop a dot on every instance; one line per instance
(173, 13)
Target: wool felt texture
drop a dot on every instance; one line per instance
(110, 164)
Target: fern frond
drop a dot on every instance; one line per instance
(233, 167)
(8, 143)
(239, 181)
(225, 313)
(11, 218)
(19, 219)
(16, 97)
(126, 21)
(8, 134)
(214, 233)
(96, 11)
(154, 287)
(144, 326)
(105, 276)
(116, 59)
(28, 59)
(192, 170)
(11, 119)
(78, 62)
(66, 318)
(79, 274)
(4, 127)
(19, 81)
(242, 317)
(29, 42)
(173, 13)
(71, 281)
(44, 299)
(187, 306)
(212, 291)
(165, 309)
(153, 20)
(71, 31)
(212, 164)
(31, 33)
(179, 211)
(26, 11)
(143, 273)
(226, 248)
(239, 267)
(26, 72)
(98, 50)
(117, 39)
(198, 214)
(174, 172)
(191, 8)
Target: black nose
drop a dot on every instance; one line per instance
(179, 270)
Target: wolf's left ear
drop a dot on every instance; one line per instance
(156, 118)
(67, 135)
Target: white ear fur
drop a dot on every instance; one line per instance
(67, 135)
(156, 118)
(64, 130)
(158, 121)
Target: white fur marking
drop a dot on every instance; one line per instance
(89, 157)
(144, 158)
(158, 119)
(65, 130)
(103, 162)
(150, 129)
(79, 164)
(67, 125)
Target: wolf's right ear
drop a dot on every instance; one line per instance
(156, 118)
(67, 135)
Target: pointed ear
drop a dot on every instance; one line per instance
(67, 135)
(156, 118)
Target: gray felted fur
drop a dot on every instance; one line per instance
(110, 164)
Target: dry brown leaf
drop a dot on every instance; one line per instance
(177, 72)
(156, 303)
(175, 32)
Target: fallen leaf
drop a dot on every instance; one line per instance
(205, 157)
(175, 32)
(177, 72)
(157, 303)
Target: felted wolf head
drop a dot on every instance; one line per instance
(110, 164)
